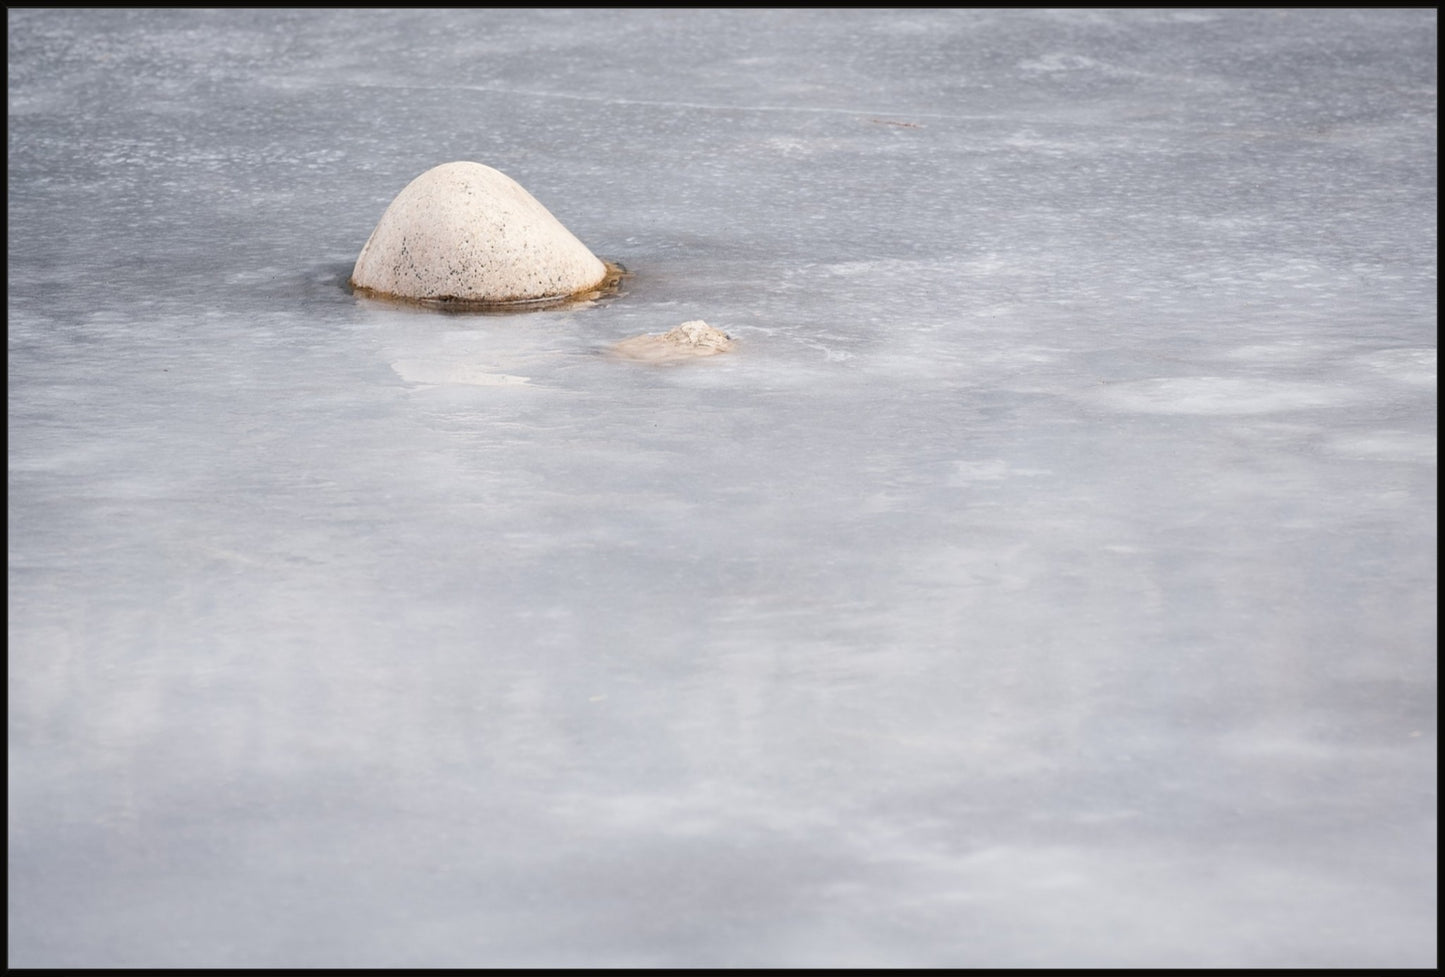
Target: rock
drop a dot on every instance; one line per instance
(689, 340)
(466, 233)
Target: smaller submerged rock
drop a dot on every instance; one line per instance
(468, 234)
(689, 340)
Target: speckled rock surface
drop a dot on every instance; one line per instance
(464, 231)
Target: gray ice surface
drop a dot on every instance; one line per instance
(1048, 579)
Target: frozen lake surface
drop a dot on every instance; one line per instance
(1047, 579)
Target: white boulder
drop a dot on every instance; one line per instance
(465, 232)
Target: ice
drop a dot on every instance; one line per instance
(1047, 578)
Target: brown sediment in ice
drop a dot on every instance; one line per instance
(688, 341)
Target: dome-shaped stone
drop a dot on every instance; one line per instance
(468, 233)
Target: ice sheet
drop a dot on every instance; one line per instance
(1048, 578)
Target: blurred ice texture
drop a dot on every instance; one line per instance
(1049, 578)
